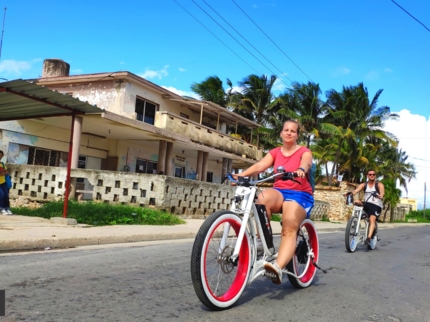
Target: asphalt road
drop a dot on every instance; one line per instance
(151, 282)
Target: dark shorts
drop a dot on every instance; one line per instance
(372, 209)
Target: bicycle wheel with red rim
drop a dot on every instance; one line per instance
(218, 280)
(302, 262)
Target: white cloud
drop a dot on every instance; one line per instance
(150, 74)
(182, 93)
(279, 85)
(182, 69)
(13, 68)
(372, 75)
(340, 71)
(413, 132)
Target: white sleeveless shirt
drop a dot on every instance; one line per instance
(374, 200)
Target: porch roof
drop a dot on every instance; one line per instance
(20, 99)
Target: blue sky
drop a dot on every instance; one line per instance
(332, 43)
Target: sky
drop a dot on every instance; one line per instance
(383, 44)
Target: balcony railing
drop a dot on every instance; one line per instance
(207, 136)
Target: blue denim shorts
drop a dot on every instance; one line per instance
(304, 199)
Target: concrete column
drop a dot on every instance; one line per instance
(161, 164)
(224, 170)
(76, 141)
(77, 132)
(229, 165)
(199, 165)
(169, 155)
(205, 166)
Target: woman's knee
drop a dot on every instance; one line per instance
(272, 199)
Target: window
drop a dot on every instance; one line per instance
(209, 125)
(82, 164)
(145, 166)
(209, 176)
(179, 172)
(185, 116)
(145, 111)
(37, 156)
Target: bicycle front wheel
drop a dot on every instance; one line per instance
(305, 256)
(218, 280)
(351, 234)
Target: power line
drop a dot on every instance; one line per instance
(410, 14)
(236, 40)
(282, 73)
(419, 159)
(273, 42)
(216, 37)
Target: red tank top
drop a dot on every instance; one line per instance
(290, 164)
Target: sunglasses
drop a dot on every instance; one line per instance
(371, 174)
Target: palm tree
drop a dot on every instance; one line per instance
(256, 101)
(391, 197)
(212, 89)
(353, 117)
(304, 103)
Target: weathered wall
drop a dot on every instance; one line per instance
(183, 197)
(339, 211)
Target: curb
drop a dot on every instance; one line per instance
(31, 244)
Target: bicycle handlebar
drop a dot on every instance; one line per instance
(245, 181)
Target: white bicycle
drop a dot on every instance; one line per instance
(225, 259)
(357, 228)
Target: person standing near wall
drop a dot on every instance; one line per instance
(4, 189)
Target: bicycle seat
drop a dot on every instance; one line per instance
(358, 203)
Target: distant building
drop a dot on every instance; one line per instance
(410, 201)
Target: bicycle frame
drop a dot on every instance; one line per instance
(358, 211)
(243, 205)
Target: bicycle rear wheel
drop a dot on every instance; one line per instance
(302, 261)
(218, 281)
(351, 238)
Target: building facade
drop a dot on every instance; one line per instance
(144, 129)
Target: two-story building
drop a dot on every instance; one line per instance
(144, 129)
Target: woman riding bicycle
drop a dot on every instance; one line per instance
(373, 205)
(294, 199)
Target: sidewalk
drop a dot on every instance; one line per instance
(25, 233)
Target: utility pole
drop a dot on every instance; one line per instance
(424, 212)
(2, 31)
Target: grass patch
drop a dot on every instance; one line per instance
(418, 215)
(101, 214)
(276, 218)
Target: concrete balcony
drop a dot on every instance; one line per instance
(207, 136)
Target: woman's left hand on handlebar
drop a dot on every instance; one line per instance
(300, 173)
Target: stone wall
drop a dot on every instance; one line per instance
(183, 197)
(339, 211)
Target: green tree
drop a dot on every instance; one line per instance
(302, 102)
(354, 117)
(391, 198)
(256, 101)
(212, 89)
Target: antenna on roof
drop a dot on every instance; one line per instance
(2, 31)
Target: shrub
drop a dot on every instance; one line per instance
(100, 214)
